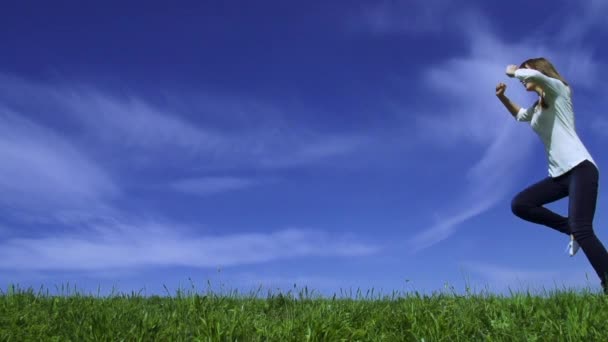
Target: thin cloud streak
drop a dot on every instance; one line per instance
(321, 148)
(135, 123)
(41, 170)
(402, 17)
(591, 15)
(147, 244)
(142, 130)
(211, 185)
(473, 121)
(490, 179)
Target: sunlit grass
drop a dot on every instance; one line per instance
(558, 315)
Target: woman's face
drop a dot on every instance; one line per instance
(530, 86)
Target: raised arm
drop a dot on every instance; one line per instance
(520, 114)
(550, 85)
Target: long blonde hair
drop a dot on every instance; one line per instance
(546, 68)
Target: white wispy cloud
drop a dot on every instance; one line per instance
(41, 169)
(122, 245)
(211, 185)
(135, 123)
(584, 17)
(487, 182)
(404, 17)
(289, 152)
(260, 134)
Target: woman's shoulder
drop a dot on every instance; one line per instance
(563, 90)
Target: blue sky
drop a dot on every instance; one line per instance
(339, 146)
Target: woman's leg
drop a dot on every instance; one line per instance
(528, 204)
(583, 196)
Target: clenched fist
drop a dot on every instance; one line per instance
(500, 89)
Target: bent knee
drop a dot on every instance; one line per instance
(518, 207)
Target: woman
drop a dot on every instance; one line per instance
(572, 170)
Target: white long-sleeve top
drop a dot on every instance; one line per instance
(554, 125)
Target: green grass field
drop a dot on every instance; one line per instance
(561, 315)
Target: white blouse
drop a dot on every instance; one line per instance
(554, 125)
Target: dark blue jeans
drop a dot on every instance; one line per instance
(580, 184)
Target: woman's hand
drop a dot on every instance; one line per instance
(511, 70)
(500, 89)
(512, 107)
